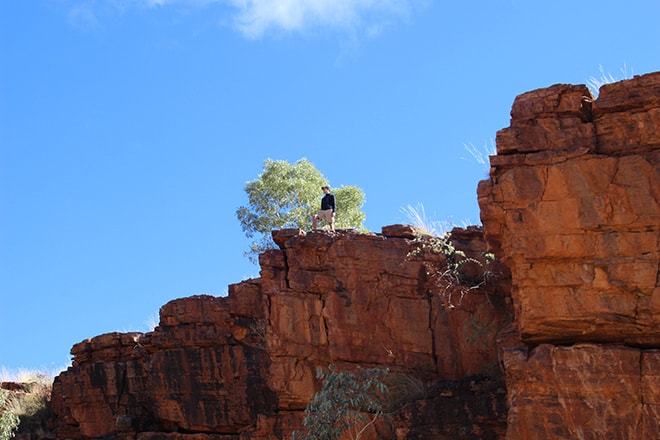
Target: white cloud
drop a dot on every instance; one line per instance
(256, 17)
(82, 16)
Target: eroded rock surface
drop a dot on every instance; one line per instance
(572, 206)
(559, 338)
(245, 366)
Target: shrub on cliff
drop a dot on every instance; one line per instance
(348, 402)
(26, 408)
(458, 274)
(285, 196)
(8, 419)
(352, 401)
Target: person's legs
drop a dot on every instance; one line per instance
(327, 216)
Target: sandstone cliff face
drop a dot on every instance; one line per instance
(572, 207)
(561, 341)
(244, 366)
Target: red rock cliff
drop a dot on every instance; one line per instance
(244, 366)
(572, 207)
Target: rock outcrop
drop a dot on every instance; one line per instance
(558, 338)
(572, 207)
(245, 366)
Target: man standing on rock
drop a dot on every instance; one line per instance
(327, 211)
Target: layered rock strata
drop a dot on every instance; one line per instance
(572, 207)
(243, 367)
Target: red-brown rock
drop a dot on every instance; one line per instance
(244, 366)
(572, 206)
(559, 338)
(582, 391)
(581, 233)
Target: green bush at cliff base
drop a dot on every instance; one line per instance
(352, 401)
(8, 419)
(28, 408)
(349, 402)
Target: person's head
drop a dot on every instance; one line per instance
(325, 189)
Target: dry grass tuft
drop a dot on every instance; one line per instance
(28, 398)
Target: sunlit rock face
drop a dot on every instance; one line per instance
(572, 207)
(558, 338)
(244, 366)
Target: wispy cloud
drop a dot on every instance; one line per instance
(256, 18)
(83, 16)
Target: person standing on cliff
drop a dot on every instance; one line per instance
(328, 208)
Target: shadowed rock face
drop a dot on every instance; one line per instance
(244, 366)
(572, 206)
(558, 339)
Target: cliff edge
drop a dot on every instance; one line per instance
(244, 366)
(572, 207)
(557, 338)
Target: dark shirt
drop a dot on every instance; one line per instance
(328, 202)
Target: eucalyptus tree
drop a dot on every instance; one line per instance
(286, 195)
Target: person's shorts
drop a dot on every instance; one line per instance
(325, 215)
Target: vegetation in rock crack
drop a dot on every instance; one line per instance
(458, 274)
(286, 195)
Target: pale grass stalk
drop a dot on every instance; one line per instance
(416, 216)
(595, 83)
(482, 154)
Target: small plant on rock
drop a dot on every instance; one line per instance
(595, 83)
(459, 273)
(417, 217)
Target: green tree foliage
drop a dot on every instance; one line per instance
(286, 195)
(349, 402)
(8, 419)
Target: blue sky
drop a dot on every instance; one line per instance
(128, 129)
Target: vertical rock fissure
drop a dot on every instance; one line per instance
(434, 351)
(641, 379)
(123, 383)
(285, 258)
(324, 321)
